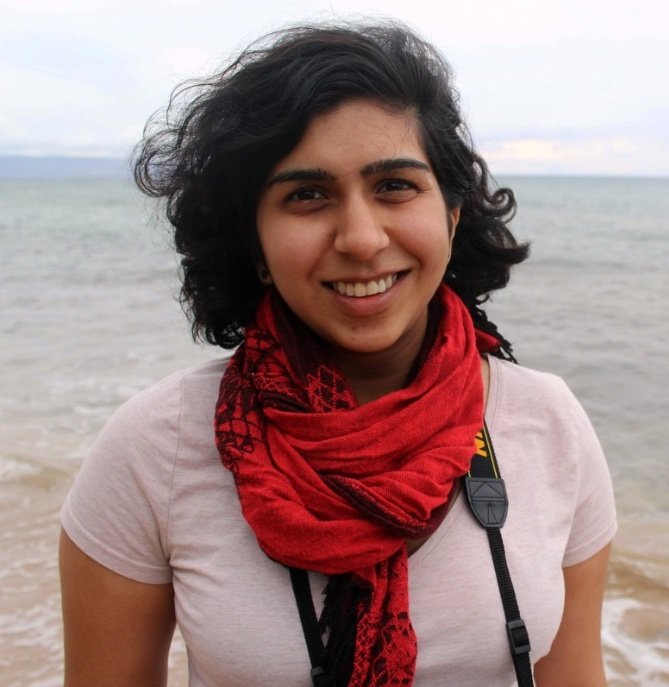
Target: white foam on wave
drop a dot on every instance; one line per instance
(11, 470)
(629, 660)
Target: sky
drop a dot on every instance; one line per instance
(547, 86)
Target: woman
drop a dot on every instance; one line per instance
(335, 221)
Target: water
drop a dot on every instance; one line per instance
(89, 317)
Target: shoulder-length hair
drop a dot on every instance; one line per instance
(212, 153)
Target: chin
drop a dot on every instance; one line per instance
(365, 346)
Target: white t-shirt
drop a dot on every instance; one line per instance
(153, 503)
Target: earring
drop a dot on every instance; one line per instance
(264, 275)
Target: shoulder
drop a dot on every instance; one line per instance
(516, 387)
(118, 509)
(181, 399)
(152, 425)
(551, 458)
(155, 430)
(538, 410)
(527, 402)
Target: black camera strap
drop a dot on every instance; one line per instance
(489, 503)
(487, 498)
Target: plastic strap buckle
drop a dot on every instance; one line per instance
(519, 639)
(488, 500)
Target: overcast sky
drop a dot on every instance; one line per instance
(548, 86)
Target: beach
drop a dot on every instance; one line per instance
(90, 317)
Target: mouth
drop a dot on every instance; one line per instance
(359, 289)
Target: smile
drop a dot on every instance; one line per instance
(360, 289)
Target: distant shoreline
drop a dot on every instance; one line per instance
(63, 167)
(66, 167)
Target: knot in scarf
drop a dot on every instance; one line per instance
(333, 487)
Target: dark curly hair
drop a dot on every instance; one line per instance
(213, 151)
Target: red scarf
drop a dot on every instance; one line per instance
(333, 487)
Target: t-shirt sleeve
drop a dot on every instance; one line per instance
(117, 510)
(594, 522)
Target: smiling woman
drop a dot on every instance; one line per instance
(336, 224)
(356, 235)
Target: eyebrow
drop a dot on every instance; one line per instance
(307, 174)
(392, 164)
(376, 167)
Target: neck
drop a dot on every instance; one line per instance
(374, 380)
(372, 375)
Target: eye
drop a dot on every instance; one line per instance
(305, 195)
(397, 190)
(394, 185)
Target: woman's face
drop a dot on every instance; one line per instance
(355, 231)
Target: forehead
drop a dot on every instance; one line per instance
(357, 132)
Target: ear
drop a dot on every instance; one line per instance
(453, 217)
(263, 274)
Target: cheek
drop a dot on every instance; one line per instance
(292, 261)
(285, 256)
(431, 239)
(274, 240)
(291, 246)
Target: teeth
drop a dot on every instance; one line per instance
(361, 289)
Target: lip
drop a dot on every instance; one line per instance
(368, 306)
(365, 287)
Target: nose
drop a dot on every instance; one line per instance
(360, 232)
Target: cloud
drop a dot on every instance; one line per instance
(593, 156)
(554, 83)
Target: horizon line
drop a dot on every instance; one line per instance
(121, 161)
